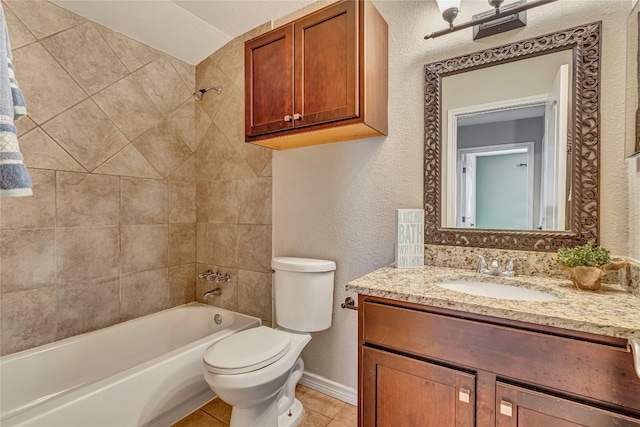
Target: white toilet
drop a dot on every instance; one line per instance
(256, 370)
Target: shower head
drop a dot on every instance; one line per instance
(199, 94)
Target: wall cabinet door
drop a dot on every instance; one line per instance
(399, 391)
(269, 82)
(326, 72)
(519, 407)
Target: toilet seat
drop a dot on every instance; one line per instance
(247, 351)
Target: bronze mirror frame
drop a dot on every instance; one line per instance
(584, 139)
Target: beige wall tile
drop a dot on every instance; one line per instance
(144, 247)
(186, 71)
(186, 171)
(254, 201)
(86, 133)
(163, 84)
(202, 123)
(28, 319)
(182, 284)
(182, 243)
(209, 74)
(254, 294)
(222, 202)
(86, 56)
(144, 293)
(163, 148)
(258, 158)
(84, 199)
(24, 125)
(132, 53)
(226, 159)
(87, 306)
(227, 117)
(46, 94)
(130, 108)
(43, 18)
(182, 120)
(19, 34)
(182, 202)
(38, 211)
(144, 201)
(230, 59)
(222, 247)
(28, 259)
(229, 297)
(41, 151)
(254, 247)
(202, 202)
(87, 253)
(129, 162)
(202, 243)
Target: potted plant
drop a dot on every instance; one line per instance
(586, 265)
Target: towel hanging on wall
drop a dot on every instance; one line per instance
(14, 178)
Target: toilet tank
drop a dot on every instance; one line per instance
(303, 293)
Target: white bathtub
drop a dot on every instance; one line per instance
(144, 372)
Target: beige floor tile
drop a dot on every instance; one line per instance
(313, 419)
(348, 415)
(336, 423)
(319, 402)
(199, 419)
(219, 409)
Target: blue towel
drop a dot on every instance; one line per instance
(14, 178)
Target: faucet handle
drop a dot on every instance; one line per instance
(509, 269)
(483, 268)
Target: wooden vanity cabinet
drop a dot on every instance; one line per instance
(322, 78)
(419, 365)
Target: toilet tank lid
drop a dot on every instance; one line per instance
(302, 264)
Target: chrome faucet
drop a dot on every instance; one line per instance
(212, 293)
(494, 268)
(216, 277)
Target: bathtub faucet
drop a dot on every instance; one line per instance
(216, 277)
(212, 293)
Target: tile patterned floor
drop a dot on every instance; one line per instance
(320, 410)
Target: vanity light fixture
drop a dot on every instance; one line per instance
(488, 23)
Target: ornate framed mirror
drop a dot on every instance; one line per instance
(512, 144)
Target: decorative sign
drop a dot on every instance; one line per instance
(409, 238)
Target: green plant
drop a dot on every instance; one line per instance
(587, 255)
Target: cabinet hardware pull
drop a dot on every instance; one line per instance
(297, 116)
(463, 395)
(506, 408)
(288, 118)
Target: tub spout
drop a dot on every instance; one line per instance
(212, 293)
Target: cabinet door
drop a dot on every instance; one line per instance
(519, 407)
(399, 391)
(269, 82)
(326, 70)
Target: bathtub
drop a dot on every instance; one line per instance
(144, 372)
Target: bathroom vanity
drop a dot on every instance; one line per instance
(435, 357)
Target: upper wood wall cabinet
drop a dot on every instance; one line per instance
(322, 78)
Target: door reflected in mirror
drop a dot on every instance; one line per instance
(506, 161)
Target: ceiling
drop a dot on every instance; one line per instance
(189, 30)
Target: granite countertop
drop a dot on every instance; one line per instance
(611, 311)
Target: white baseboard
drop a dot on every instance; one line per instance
(330, 388)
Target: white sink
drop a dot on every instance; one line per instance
(497, 290)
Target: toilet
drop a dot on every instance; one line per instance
(256, 370)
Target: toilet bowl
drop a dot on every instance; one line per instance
(256, 370)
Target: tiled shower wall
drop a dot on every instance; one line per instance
(233, 189)
(109, 140)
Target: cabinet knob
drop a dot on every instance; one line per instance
(506, 408)
(288, 118)
(297, 116)
(464, 395)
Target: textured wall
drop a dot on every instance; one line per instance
(109, 234)
(337, 201)
(233, 189)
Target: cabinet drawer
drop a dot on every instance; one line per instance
(593, 371)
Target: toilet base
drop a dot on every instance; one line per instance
(293, 416)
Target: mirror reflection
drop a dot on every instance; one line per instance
(505, 145)
(632, 148)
